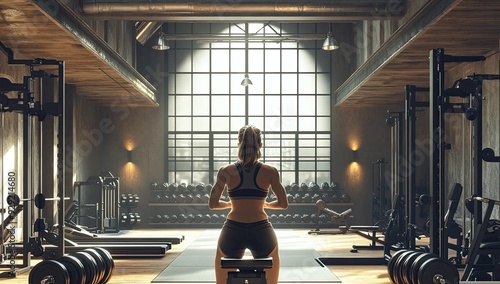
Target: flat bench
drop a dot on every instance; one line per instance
(368, 232)
(250, 270)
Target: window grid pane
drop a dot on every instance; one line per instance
(289, 101)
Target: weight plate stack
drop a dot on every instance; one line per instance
(91, 268)
(75, 268)
(109, 264)
(100, 264)
(392, 263)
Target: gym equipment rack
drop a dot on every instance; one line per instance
(26, 105)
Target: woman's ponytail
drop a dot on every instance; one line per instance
(249, 139)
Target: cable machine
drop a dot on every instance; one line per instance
(25, 103)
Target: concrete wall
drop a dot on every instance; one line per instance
(364, 130)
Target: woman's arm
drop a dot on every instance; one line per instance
(214, 201)
(281, 201)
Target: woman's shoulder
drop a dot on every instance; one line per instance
(268, 167)
(229, 168)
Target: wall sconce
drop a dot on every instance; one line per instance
(129, 156)
(354, 155)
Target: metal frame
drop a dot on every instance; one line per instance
(30, 108)
(438, 104)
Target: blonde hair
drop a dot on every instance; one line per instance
(250, 140)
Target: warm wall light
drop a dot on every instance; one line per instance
(354, 155)
(129, 156)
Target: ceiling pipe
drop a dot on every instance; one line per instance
(144, 30)
(216, 11)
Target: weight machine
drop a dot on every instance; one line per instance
(26, 104)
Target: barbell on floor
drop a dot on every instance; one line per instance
(409, 266)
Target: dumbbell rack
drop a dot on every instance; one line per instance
(189, 208)
(129, 219)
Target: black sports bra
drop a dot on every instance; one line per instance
(247, 188)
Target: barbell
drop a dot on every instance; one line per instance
(14, 200)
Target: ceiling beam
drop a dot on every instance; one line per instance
(430, 13)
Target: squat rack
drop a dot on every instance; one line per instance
(26, 105)
(439, 104)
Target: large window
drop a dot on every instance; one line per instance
(289, 101)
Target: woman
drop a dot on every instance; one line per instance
(248, 182)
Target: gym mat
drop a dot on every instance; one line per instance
(298, 262)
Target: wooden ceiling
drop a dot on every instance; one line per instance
(462, 27)
(97, 71)
(467, 28)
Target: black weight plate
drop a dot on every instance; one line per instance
(108, 259)
(90, 266)
(392, 262)
(405, 271)
(417, 263)
(101, 265)
(398, 266)
(75, 269)
(49, 269)
(437, 267)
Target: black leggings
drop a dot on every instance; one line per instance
(259, 237)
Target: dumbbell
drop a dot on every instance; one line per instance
(124, 199)
(165, 219)
(173, 187)
(204, 198)
(214, 219)
(190, 187)
(298, 198)
(207, 218)
(291, 198)
(325, 186)
(157, 219)
(137, 219)
(307, 198)
(315, 197)
(188, 198)
(165, 198)
(157, 198)
(182, 218)
(306, 218)
(200, 187)
(154, 186)
(124, 220)
(197, 198)
(345, 198)
(198, 218)
(164, 186)
(173, 218)
(297, 218)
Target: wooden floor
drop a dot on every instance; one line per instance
(144, 270)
